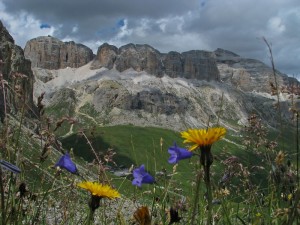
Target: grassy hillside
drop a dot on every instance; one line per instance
(246, 166)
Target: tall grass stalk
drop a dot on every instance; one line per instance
(3, 210)
(276, 85)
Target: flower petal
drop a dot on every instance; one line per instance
(10, 166)
(141, 176)
(66, 163)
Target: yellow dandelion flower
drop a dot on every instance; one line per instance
(203, 137)
(100, 190)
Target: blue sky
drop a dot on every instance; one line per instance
(167, 25)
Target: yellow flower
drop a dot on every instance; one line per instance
(100, 190)
(203, 137)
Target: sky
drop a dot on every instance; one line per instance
(167, 25)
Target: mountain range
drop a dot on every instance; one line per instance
(136, 84)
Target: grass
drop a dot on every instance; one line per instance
(253, 178)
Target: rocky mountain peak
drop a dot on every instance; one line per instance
(219, 52)
(4, 35)
(16, 70)
(50, 53)
(193, 64)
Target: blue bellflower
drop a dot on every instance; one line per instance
(178, 154)
(9, 166)
(66, 163)
(141, 177)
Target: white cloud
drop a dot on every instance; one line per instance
(275, 25)
(171, 24)
(75, 29)
(23, 26)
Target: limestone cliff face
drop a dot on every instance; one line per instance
(248, 74)
(199, 65)
(51, 53)
(140, 58)
(106, 55)
(16, 70)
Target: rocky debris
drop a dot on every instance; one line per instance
(64, 102)
(110, 94)
(16, 70)
(194, 64)
(51, 53)
(156, 102)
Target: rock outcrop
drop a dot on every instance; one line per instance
(249, 74)
(16, 71)
(51, 53)
(194, 64)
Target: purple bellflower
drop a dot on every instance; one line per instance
(66, 163)
(178, 154)
(141, 177)
(8, 166)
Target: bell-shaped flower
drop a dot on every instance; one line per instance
(8, 166)
(65, 162)
(177, 154)
(141, 177)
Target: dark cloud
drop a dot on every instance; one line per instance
(79, 9)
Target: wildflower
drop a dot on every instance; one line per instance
(223, 192)
(203, 138)
(66, 163)
(103, 191)
(141, 177)
(178, 154)
(9, 166)
(98, 191)
(142, 215)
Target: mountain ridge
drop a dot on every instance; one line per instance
(136, 84)
(132, 85)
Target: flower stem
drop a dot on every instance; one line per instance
(90, 217)
(196, 198)
(209, 193)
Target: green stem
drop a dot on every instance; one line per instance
(90, 217)
(196, 198)
(209, 193)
